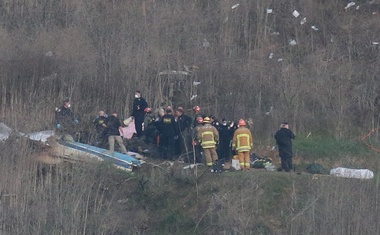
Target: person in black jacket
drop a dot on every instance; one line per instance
(284, 138)
(100, 123)
(139, 105)
(65, 119)
(184, 122)
(113, 132)
(168, 131)
(226, 134)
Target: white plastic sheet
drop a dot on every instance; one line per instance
(351, 173)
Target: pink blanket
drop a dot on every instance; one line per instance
(128, 131)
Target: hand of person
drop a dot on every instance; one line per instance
(58, 126)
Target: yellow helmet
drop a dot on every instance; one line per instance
(206, 120)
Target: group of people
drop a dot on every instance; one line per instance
(177, 134)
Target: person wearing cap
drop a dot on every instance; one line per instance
(168, 131)
(139, 105)
(283, 139)
(65, 119)
(113, 132)
(242, 142)
(100, 127)
(183, 142)
(208, 137)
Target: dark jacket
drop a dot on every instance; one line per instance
(98, 122)
(64, 116)
(184, 122)
(139, 105)
(167, 126)
(225, 134)
(284, 138)
(113, 125)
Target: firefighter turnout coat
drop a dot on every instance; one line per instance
(242, 140)
(208, 136)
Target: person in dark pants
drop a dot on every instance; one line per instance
(168, 131)
(183, 142)
(139, 105)
(284, 138)
(65, 120)
(225, 136)
(150, 127)
(100, 123)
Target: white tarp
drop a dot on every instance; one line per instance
(351, 173)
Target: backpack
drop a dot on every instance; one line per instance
(315, 168)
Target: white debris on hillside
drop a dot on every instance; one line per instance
(296, 13)
(292, 42)
(234, 6)
(314, 28)
(303, 21)
(196, 83)
(350, 4)
(5, 131)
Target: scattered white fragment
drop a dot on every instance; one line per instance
(205, 43)
(314, 28)
(357, 7)
(374, 13)
(193, 97)
(292, 42)
(234, 6)
(196, 83)
(280, 59)
(270, 56)
(270, 110)
(303, 21)
(191, 166)
(173, 72)
(275, 33)
(375, 43)
(350, 4)
(49, 54)
(269, 11)
(296, 13)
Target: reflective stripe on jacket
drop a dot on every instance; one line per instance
(242, 141)
(208, 136)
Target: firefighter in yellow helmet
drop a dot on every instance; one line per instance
(208, 137)
(242, 142)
